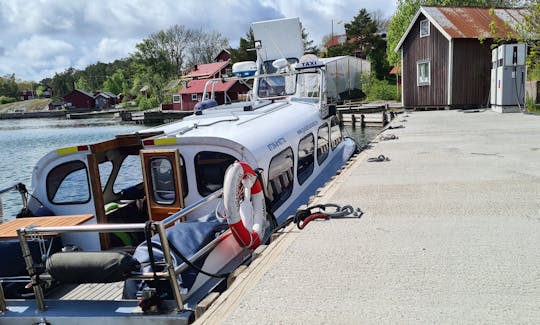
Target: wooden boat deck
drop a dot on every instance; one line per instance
(88, 291)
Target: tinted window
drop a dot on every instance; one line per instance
(280, 178)
(210, 170)
(323, 144)
(306, 158)
(163, 185)
(335, 135)
(68, 183)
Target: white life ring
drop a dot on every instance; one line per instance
(241, 185)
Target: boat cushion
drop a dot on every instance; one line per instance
(188, 238)
(91, 267)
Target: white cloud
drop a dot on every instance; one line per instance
(41, 37)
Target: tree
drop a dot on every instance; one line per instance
(530, 34)
(63, 83)
(362, 30)
(309, 48)
(116, 83)
(8, 86)
(204, 47)
(245, 50)
(82, 84)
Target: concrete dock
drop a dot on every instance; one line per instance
(450, 234)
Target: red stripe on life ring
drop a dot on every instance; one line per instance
(257, 188)
(236, 174)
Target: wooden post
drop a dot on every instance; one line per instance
(353, 120)
(362, 121)
(205, 304)
(235, 274)
(384, 119)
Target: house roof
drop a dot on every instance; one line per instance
(207, 70)
(197, 86)
(336, 40)
(106, 94)
(468, 22)
(85, 93)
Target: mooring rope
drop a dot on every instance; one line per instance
(379, 158)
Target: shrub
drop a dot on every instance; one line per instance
(6, 100)
(376, 89)
(147, 103)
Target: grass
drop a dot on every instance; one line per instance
(26, 105)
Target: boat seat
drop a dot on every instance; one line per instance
(188, 238)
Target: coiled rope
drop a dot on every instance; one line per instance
(379, 158)
(319, 211)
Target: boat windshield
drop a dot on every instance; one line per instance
(307, 87)
(275, 86)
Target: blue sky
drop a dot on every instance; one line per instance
(41, 37)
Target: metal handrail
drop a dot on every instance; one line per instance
(159, 226)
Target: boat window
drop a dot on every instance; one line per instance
(335, 135)
(323, 143)
(280, 178)
(129, 174)
(307, 85)
(68, 183)
(163, 185)
(276, 86)
(306, 158)
(210, 170)
(105, 170)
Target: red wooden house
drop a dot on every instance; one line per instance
(224, 92)
(195, 80)
(79, 99)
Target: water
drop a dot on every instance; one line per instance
(24, 142)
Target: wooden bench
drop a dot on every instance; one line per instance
(9, 229)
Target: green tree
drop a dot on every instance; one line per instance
(63, 83)
(530, 34)
(362, 31)
(309, 47)
(245, 50)
(8, 86)
(82, 84)
(116, 83)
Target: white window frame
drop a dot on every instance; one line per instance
(176, 99)
(424, 28)
(426, 80)
(193, 97)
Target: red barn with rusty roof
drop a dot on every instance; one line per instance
(446, 55)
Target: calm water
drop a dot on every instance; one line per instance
(24, 142)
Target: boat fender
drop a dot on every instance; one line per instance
(91, 267)
(208, 103)
(241, 185)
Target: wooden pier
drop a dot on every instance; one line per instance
(154, 117)
(367, 115)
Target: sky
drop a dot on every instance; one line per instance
(39, 38)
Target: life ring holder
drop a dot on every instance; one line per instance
(241, 184)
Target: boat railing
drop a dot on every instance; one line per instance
(170, 272)
(21, 188)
